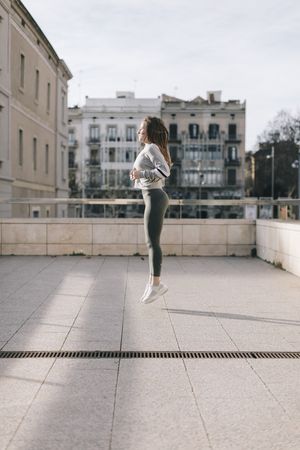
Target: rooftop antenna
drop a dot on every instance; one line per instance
(79, 87)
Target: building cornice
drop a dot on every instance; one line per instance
(34, 186)
(22, 11)
(5, 4)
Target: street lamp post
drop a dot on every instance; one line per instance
(201, 182)
(273, 166)
(296, 165)
(298, 182)
(272, 175)
(200, 191)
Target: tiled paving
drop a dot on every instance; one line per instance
(80, 303)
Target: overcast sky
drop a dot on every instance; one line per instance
(249, 50)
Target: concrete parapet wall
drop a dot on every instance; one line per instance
(278, 242)
(182, 237)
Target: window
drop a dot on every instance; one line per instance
(191, 177)
(193, 130)
(34, 156)
(232, 131)
(231, 177)
(173, 131)
(63, 108)
(214, 152)
(130, 134)
(22, 72)
(128, 155)
(112, 154)
(71, 160)
(213, 131)
(62, 156)
(47, 158)
(71, 137)
(36, 213)
(94, 133)
(20, 147)
(232, 153)
(192, 152)
(48, 96)
(112, 133)
(173, 152)
(111, 177)
(37, 84)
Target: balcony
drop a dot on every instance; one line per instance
(232, 162)
(92, 162)
(92, 185)
(175, 138)
(93, 143)
(233, 138)
(73, 143)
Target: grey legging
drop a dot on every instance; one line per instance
(156, 203)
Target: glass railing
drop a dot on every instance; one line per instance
(247, 208)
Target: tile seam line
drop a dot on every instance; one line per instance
(30, 405)
(268, 389)
(119, 364)
(254, 371)
(190, 382)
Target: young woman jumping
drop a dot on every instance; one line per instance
(150, 169)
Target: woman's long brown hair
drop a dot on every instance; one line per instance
(158, 134)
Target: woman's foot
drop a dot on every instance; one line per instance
(154, 292)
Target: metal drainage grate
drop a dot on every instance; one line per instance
(97, 354)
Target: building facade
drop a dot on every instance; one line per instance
(207, 146)
(37, 153)
(206, 141)
(103, 144)
(5, 98)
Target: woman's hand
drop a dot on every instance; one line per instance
(135, 174)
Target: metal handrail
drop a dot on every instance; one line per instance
(173, 202)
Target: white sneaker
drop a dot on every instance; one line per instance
(154, 292)
(145, 292)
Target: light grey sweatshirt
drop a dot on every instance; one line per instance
(153, 166)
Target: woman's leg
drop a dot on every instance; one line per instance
(156, 203)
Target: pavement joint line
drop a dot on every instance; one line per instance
(268, 388)
(119, 363)
(190, 383)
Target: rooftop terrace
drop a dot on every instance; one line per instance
(91, 303)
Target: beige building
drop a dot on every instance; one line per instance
(103, 144)
(207, 146)
(37, 154)
(5, 165)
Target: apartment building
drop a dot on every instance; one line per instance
(207, 146)
(36, 155)
(103, 143)
(206, 141)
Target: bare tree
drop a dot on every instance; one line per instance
(284, 127)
